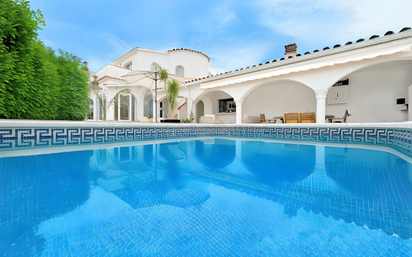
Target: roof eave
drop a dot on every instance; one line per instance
(309, 57)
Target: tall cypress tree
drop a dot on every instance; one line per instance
(18, 28)
(35, 82)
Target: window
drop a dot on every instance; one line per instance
(154, 67)
(128, 66)
(180, 71)
(227, 105)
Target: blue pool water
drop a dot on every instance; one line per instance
(211, 197)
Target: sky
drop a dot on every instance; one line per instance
(233, 33)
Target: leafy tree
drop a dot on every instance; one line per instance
(18, 26)
(75, 105)
(173, 88)
(35, 82)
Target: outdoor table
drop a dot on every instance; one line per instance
(329, 117)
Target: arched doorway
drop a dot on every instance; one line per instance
(125, 107)
(200, 110)
(148, 104)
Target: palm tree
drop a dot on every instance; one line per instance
(172, 88)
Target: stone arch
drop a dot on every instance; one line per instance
(211, 101)
(147, 103)
(373, 90)
(275, 97)
(271, 81)
(359, 67)
(200, 110)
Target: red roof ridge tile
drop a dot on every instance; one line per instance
(110, 77)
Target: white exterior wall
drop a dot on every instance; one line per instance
(275, 98)
(144, 60)
(196, 65)
(113, 71)
(372, 94)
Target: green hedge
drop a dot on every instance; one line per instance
(35, 81)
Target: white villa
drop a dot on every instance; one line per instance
(370, 77)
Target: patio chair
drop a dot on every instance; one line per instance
(343, 119)
(264, 120)
(307, 117)
(291, 117)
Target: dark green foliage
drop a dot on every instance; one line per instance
(35, 81)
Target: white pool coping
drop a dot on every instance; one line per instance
(127, 124)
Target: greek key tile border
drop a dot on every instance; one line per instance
(18, 138)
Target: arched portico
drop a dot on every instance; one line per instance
(273, 98)
(218, 103)
(373, 92)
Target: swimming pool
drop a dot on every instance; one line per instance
(208, 196)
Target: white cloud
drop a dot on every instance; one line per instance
(230, 16)
(118, 45)
(378, 16)
(334, 21)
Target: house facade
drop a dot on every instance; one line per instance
(134, 71)
(371, 77)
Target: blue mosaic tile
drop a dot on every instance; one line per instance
(17, 138)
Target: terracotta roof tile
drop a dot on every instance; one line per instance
(189, 50)
(298, 55)
(110, 77)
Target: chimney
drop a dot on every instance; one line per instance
(290, 50)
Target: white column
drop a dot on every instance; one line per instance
(130, 107)
(154, 109)
(118, 107)
(321, 105)
(110, 113)
(110, 110)
(189, 104)
(239, 111)
(96, 104)
(195, 111)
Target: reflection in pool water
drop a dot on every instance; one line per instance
(207, 197)
(278, 162)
